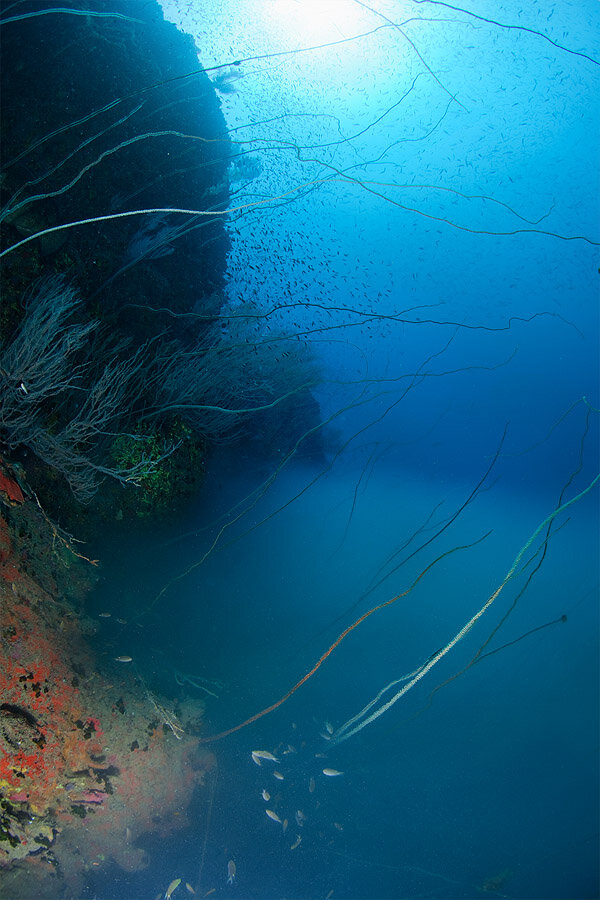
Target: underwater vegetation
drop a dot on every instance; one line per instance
(299, 430)
(72, 328)
(76, 748)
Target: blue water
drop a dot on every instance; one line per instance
(488, 785)
(498, 775)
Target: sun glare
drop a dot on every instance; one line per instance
(319, 21)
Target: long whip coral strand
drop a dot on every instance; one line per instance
(336, 643)
(345, 731)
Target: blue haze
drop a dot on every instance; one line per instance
(495, 776)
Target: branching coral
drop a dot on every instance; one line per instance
(52, 402)
(74, 404)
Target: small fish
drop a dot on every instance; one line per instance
(265, 795)
(104, 615)
(189, 888)
(338, 826)
(284, 825)
(263, 754)
(123, 658)
(331, 773)
(300, 818)
(121, 621)
(231, 868)
(172, 887)
(297, 842)
(278, 776)
(273, 815)
(328, 727)
(320, 755)
(312, 785)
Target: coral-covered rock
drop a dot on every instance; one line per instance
(76, 744)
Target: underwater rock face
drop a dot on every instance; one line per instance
(10, 490)
(89, 762)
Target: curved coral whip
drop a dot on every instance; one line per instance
(433, 660)
(336, 643)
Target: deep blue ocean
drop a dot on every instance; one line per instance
(416, 198)
(489, 785)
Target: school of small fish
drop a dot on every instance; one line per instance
(295, 779)
(304, 785)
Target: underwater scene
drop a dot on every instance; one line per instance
(299, 442)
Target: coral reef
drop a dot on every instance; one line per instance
(89, 761)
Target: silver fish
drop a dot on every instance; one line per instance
(230, 872)
(331, 773)
(266, 796)
(264, 754)
(172, 887)
(273, 815)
